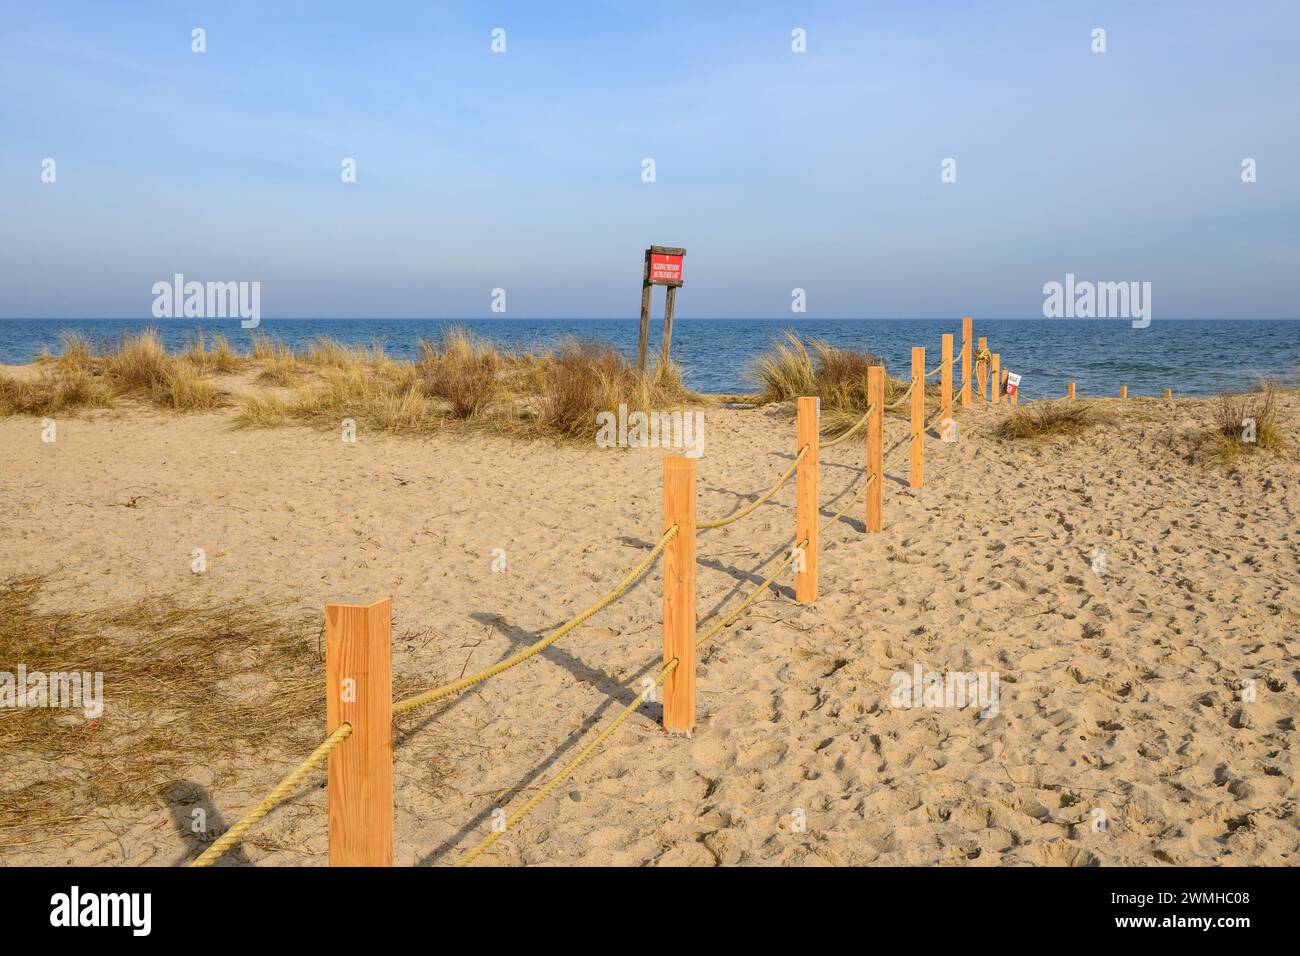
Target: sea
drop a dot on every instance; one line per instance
(1192, 357)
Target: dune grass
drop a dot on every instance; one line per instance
(1244, 425)
(181, 685)
(792, 368)
(139, 369)
(1046, 420)
(461, 380)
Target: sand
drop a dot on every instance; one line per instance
(1120, 691)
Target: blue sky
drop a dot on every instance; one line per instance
(776, 170)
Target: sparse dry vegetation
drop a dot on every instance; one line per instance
(793, 368)
(181, 685)
(139, 369)
(1044, 420)
(1244, 424)
(458, 380)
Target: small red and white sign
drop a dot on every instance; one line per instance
(1013, 383)
(665, 268)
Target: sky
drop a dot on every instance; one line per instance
(523, 170)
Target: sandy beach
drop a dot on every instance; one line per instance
(1122, 682)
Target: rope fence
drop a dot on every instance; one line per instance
(358, 636)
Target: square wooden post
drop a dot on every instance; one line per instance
(966, 332)
(670, 306)
(679, 594)
(1069, 391)
(982, 369)
(995, 381)
(1169, 393)
(916, 469)
(359, 691)
(643, 339)
(876, 447)
(1123, 391)
(945, 390)
(806, 498)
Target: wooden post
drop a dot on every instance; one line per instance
(966, 331)
(982, 370)
(670, 304)
(359, 691)
(1123, 391)
(679, 594)
(806, 498)
(995, 380)
(642, 342)
(1069, 391)
(945, 387)
(916, 463)
(876, 447)
(1169, 393)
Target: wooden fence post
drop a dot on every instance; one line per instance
(966, 331)
(945, 388)
(876, 447)
(643, 337)
(806, 498)
(679, 594)
(995, 380)
(916, 470)
(982, 369)
(1169, 393)
(1123, 391)
(1069, 391)
(359, 691)
(670, 306)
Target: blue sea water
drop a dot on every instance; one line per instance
(1191, 357)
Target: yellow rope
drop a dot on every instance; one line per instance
(286, 786)
(455, 687)
(737, 515)
(565, 773)
(902, 398)
(272, 799)
(860, 422)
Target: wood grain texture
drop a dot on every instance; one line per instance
(982, 370)
(1069, 390)
(995, 381)
(916, 458)
(670, 306)
(967, 329)
(359, 691)
(807, 432)
(945, 386)
(876, 447)
(679, 594)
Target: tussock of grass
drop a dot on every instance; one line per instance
(463, 370)
(220, 359)
(793, 368)
(139, 369)
(1227, 440)
(1044, 420)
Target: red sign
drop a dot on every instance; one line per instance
(665, 268)
(1013, 383)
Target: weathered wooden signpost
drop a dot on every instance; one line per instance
(663, 266)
